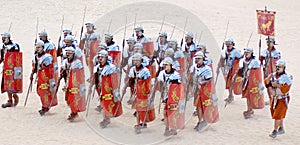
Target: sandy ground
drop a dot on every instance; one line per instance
(23, 125)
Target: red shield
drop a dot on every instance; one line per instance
(152, 69)
(92, 53)
(55, 64)
(232, 73)
(254, 87)
(116, 57)
(148, 49)
(207, 96)
(142, 102)
(238, 85)
(12, 73)
(271, 67)
(44, 89)
(176, 106)
(182, 64)
(76, 90)
(107, 98)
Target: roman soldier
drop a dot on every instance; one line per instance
(49, 47)
(111, 45)
(228, 63)
(281, 83)
(172, 97)
(252, 87)
(205, 99)
(72, 69)
(139, 33)
(62, 43)
(138, 48)
(128, 51)
(161, 45)
(189, 45)
(86, 40)
(46, 85)
(139, 77)
(268, 58)
(107, 84)
(11, 85)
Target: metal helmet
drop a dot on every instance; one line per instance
(248, 49)
(109, 35)
(189, 35)
(173, 41)
(271, 38)
(67, 30)
(137, 56)
(102, 46)
(280, 62)
(199, 54)
(41, 44)
(70, 49)
(43, 33)
(69, 38)
(138, 28)
(163, 34)
(132, 39)
(168, 60)
(170, 51)
(5, 34)
(229, 40)
(103, 53)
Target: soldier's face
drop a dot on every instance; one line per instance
(229, 45)
(5, 39)
(65, 34)
(188, 39)
(270, 43)
(38, 49)
(247, 54)
(102, 58)
(70, 55)
(88, 28)
(172, 45)
(43, 38)
(199, 61)
(162, 38)
(137, 50)
(130, 43)
(108, 39)
(138, 33)
(279, 69)
(68, 42)
(137, 62)
(167, 67)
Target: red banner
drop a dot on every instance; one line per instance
(265, 21)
